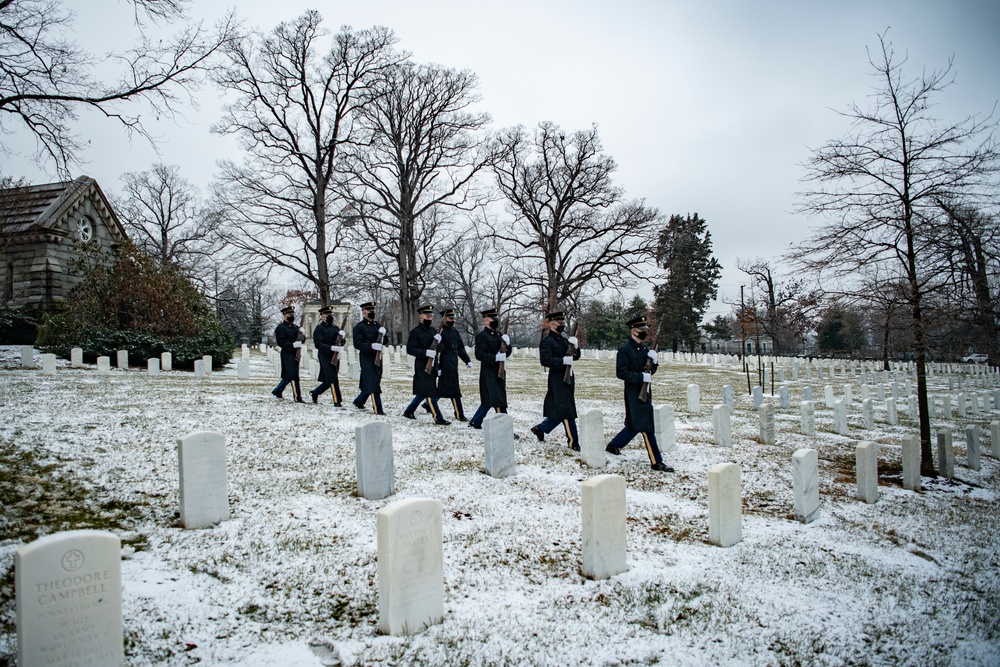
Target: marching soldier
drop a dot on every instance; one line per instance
(286, 335)
(630, 366)
(422, 345)
(326, 337)
(451, 349)
(492, 387)
(367, 336)
(560, 402)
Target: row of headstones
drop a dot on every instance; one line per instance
(202, 367)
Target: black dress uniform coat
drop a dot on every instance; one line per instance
(492, 388)
(285, 335)
(630, 364)
(420, 340)
(324, 336)
(451, 348)
(366, 333)
(560, 402)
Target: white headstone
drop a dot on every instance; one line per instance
(603, 509)
(206, 363)
(123, 359)
(866, 469)
(758, 397)
(243, 369)
(868, 414)
(353, 371)
(995, 439)
(848, 394)
(728, 397)
(410, 566)
(807, 393)
(663, 423)
(805, 485)
(48, 364)
(963, 407)
(498, 436)
(373, 450)
(103, 365)
(592, 438)
(721, 426)
(911, 407)
(808, 413)
(828, 395)
(972, 447)
(866, 392)
(725, 519)
(204, 484)
(891, 415)
(76, 357)
(68, 590)
(166, 361)
(153, 366)
(911, 462)
(946, 454)
(840, 417)
(880, 391)
(694, 399)
(784, 397)
(27, 356)
(765, 418)
(199, 368)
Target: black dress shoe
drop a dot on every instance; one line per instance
(314, 397)
(276, 395)
(359, 406)
(662, 467)
(575, 448)
(298, 399)
(461, 419)
(409, 415)
(475, 425)
(617, 451)
(538, 433)
(338, 405)
(443, 422)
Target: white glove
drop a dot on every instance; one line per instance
(335, 348)
(437, 337)
(501, 357)
(647, 378)
(654, 356)
(468, 364)
(381, 330)
(297, 344)
(506, 339)
(432, 353)
(573, 341)
(567, 361)
(376, 346)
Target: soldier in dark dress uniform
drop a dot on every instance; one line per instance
(630, 366)
(451, 349)
(286, 335)
(367, 333)
(422, 345)
(492, 387)
(560, 402)
(327, 338)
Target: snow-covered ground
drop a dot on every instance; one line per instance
(291, 579)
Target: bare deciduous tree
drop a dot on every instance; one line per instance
(570, 223)
(879, 188)
(787, 304)
(46, 79)
(293, 110)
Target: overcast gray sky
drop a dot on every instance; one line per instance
(707, 107)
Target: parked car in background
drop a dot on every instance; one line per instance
(976, 358)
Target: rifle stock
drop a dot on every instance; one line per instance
(502, 366)
(429, 367)
(381, 337)
(644, 392)
(571, 351)
(341, 339)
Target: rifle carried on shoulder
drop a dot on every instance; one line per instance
(381, 337)
(429, 368)
(341, 339)
(502, 366)
(571, 351)
(644, 392)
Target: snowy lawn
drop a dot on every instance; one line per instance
(291, 578)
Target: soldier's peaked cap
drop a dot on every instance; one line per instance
(448, 312)
(489, 312)
(325, 310)
(287, 309)
(556, 315)
(637, 323)
(368, 305)
(426, 309)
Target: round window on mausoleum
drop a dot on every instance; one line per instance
(84, 229)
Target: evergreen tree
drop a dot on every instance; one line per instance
(685, 252)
